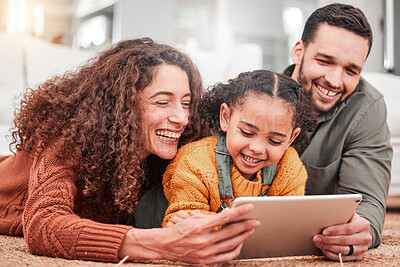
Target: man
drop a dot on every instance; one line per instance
(349, 151)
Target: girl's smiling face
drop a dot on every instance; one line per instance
(258, 131)
(165, 105)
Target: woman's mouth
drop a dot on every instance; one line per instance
(168, 135)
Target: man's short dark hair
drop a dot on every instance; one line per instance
(339, 15)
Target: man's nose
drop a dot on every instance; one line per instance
(335, 77)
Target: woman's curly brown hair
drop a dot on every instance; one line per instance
(259, 82)
(93, 118)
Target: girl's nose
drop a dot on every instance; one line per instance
(258, 146)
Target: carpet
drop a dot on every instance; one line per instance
(14, 252)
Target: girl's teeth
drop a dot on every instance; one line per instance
(250, 159)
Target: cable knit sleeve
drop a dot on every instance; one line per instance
(50, 224)
(291, 175)
(191, 180)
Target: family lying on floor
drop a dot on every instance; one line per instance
(124, 157)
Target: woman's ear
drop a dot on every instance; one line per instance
(298, 52)
(224, 115)
(295, 133)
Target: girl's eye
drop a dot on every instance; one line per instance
(245, 133)
(274, 142)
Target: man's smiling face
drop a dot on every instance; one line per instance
(329, 67)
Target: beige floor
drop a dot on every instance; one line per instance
(14, 252)
(393, 202)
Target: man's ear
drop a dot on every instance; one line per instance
(298, 52)
(295, 133)
(224, 115)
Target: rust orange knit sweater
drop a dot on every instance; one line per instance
(38, 198)
(191, 179)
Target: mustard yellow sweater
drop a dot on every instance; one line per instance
(191, 179)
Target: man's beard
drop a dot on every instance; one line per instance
(308, 93)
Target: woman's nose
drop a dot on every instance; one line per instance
(179, 115)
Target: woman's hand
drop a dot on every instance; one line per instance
(338, 238)
(193, 239)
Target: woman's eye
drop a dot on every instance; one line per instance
(246, 133)
(162, 103)
(186, 104)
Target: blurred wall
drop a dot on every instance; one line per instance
(211, 23)
(397, 37)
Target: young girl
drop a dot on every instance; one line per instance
(257, 116)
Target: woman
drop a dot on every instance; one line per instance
(87, 144)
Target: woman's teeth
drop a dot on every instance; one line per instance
(325, 91)
(168, 136)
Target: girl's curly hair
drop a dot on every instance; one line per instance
(93, 118)
(259, 82)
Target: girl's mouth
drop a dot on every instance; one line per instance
(250, 160)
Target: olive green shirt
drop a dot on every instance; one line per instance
(350, 153)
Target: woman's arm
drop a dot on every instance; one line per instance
(193, 239)
(51, 226)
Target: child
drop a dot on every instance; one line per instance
(258, 116)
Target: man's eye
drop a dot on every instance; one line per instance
(351, 72)
(322, 61)
(245, 133)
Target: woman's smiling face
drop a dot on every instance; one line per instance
(165, 107)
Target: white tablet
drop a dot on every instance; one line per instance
(288, 224)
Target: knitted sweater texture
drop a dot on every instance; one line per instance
(39, 199)
(191, 179)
